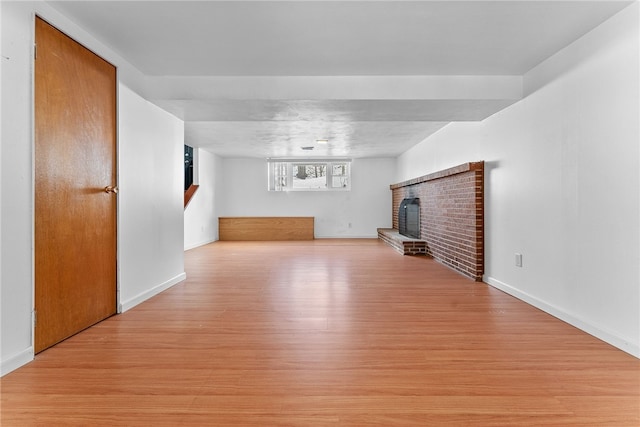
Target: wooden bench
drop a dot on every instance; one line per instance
(265, 228)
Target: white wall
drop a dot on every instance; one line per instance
(16, 197)
(356, 213)
(151, 175)
(2, 59)
(562, 183)
(17, 214)
(200, 219)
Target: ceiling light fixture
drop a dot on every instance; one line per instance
(322, 141)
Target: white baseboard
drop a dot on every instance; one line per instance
(15, 361)
(586, 326)
(344, 236)
(197, 245)
(129, 304)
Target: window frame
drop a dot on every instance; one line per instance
(280, 173)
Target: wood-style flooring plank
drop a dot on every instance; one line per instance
(326, 333)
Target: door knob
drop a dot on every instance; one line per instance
(111, 189)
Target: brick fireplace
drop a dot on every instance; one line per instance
(451, 217)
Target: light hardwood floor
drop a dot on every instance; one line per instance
(324, 333)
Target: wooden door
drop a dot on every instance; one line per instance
(75, 159)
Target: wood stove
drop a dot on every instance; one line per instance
(409, 217)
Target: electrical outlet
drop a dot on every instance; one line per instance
(518, 260)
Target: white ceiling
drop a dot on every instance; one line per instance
(264, 78)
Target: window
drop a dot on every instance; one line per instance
(309, 174)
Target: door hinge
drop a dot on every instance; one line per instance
(34, 318)
(35, 51)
